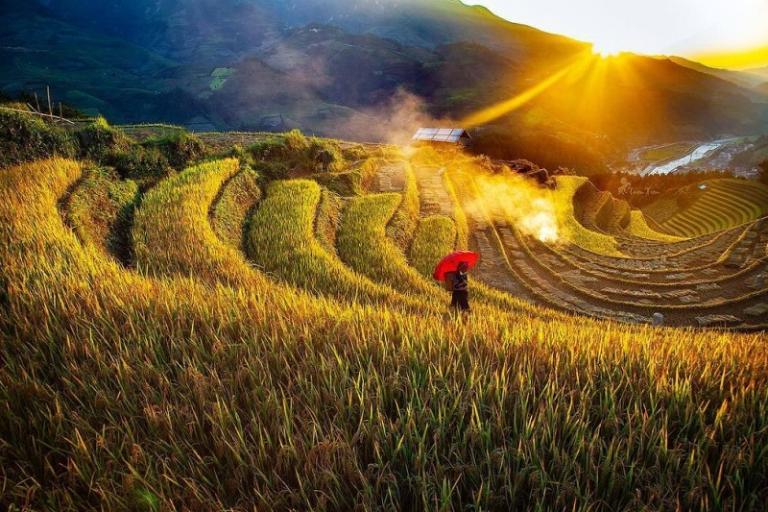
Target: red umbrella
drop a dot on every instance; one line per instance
(451, 263)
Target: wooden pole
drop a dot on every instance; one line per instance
(48, 92)
(37, 102)
(41, 114)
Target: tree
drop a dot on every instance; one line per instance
(763, 176)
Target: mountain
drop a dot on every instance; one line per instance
(759, 72)
(198, 36)
(748, 78)
(96, 72)
(365, 69)
(675, 103)
(177, 26)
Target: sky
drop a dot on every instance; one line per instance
(723, 33)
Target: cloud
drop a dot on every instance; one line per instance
(394, 122)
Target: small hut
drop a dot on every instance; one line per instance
(454, 136)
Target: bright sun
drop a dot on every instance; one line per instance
(606, 49)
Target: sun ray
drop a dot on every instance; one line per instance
(573, 70)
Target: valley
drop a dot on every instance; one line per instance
(740, 156)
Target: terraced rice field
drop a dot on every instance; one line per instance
(628, 274)
(720, 204)
(224, 342)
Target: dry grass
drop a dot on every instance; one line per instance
(236, 200)
(572, 230)
(327, 220)
(281, 241)
(723, 204)
(100, 210)
(125, 392)
(402, 225)
(363, 245)
(638, 226)
(435, 237)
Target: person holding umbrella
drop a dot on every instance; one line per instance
(452, 272)
(460, 291)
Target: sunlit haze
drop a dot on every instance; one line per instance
(723, 33)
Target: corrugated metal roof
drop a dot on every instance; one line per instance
(452, 135)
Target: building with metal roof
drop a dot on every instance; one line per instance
(443, 135)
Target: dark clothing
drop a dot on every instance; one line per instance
(460, 294)
(460, 282)
(460, 300)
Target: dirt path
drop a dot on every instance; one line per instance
(547, 284)
(682, 262)
(435, 199)
(390, 177)
(493, 269)
(700, 289)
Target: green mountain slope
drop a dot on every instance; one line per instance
(360, 69)
(97, 73)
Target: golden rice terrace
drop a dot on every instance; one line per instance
(261, 332)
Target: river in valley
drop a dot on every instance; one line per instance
(699, 153)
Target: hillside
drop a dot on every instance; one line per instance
(679, 101)
(97, 73)
(763, 72)
(709, 206)
(337, 69)
(239, 321)
(422, 23)
(747, 78)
